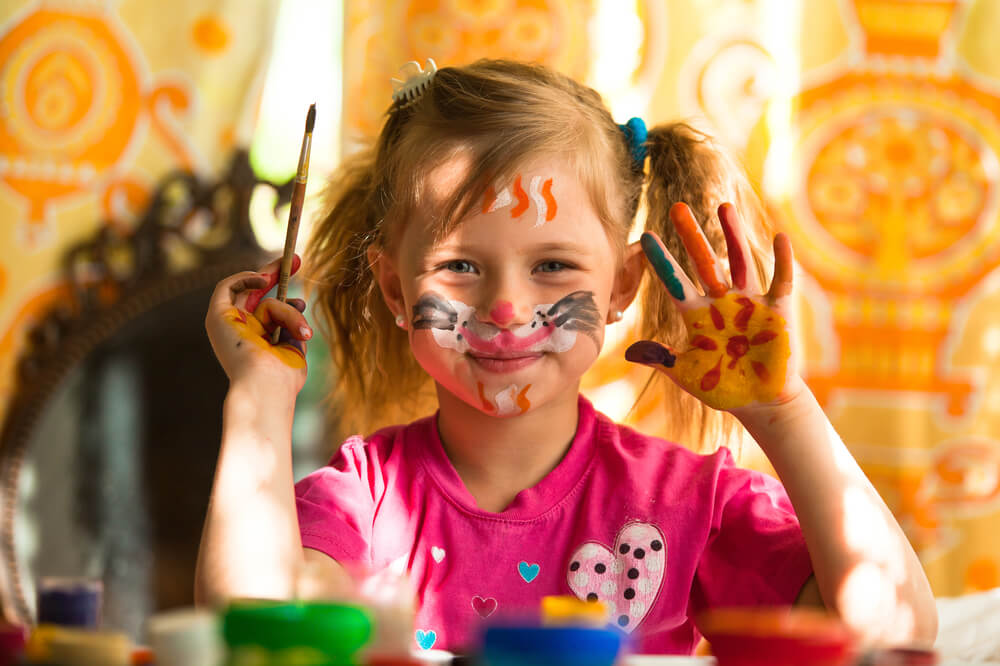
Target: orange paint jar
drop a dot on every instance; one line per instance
(777, 637)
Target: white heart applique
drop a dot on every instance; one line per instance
(437, 554)
(626, 578)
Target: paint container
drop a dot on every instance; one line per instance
(70, 602)
(900, 656)
(81, 647)
(267, 633)
(12, 640)
(186, 637)
(567, 610)
(776, 637)
(550, 646)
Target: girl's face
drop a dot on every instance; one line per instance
(508, 311)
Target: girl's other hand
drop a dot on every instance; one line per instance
(739, 351)
(240, 324)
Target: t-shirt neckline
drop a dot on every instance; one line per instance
(532, 502)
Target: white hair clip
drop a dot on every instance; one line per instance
(406, 92)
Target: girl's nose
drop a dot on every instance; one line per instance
(502, 313)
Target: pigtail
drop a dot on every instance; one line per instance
(375, 380)
(686, 165)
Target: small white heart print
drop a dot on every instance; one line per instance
(437, 554)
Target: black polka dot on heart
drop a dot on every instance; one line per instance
(623, 620)
(458, 337)
(545, 323)
(600, 568)
(592, 596)
(465, 323)
(574, 566)
(656, 545)
(639, 553)
(629, 593)
(633, 573)
(624, 548)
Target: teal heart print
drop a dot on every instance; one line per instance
(425, 639)
(529, 572)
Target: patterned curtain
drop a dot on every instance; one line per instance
(98, 99)
(872, 128)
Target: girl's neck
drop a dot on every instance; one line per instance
(497, 458)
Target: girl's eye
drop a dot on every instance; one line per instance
(460, 266)
(551, 266)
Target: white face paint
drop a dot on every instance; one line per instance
(506, 401)
(536, 336)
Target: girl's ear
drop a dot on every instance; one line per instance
(627, 280)
(387, 276)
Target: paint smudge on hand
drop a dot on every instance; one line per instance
(664, 269)
(249, 329)
(739, 356)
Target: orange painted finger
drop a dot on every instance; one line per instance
(784, 267)
(740, 259)
(707, 264)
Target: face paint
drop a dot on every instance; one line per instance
(249, 329)
(664, 269)
(502, 313)
(553, 328)
(539, 192)
(507, 401)
(739, 358)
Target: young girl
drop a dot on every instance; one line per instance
(479, 249)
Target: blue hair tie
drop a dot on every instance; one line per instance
(635, 134)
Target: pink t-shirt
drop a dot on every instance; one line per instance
(655, 531)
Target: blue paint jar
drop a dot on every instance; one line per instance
(550, 646)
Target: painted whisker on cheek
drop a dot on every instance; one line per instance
(577, 312)
(553, 328)
(434, 311)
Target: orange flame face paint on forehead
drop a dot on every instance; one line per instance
(539, 192)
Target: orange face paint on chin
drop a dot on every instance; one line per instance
(250, 330)
(507, 402)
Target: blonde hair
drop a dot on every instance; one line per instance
(499, 115)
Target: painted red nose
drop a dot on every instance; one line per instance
(502, 313)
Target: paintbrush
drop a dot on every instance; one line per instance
(295, 212)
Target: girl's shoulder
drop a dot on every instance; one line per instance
(640, 450)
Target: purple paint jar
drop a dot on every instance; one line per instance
(70, 602)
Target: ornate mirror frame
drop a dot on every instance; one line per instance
(113, 278)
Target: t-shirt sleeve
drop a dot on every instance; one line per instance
(336, 504)
(755, 554)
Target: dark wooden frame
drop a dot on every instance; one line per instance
(105, 295)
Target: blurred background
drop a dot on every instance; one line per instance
(871, 128)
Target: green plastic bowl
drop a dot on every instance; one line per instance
(335, 630)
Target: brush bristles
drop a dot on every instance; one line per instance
(311, 118)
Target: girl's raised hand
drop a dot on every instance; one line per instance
(739, 353)
(240, 323)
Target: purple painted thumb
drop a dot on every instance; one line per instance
(648, 352)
